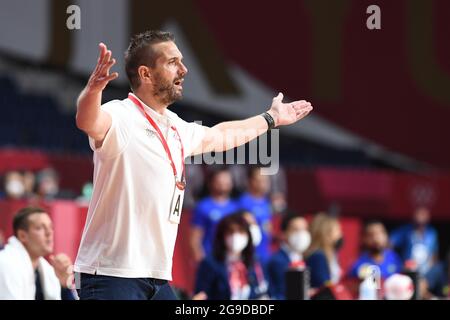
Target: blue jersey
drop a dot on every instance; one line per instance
(262, 210)
(416, 246)
(390, 264)
(207, 214)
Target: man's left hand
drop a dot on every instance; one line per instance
(288, 113)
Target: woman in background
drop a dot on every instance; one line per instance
(321, 257)
(231, 272)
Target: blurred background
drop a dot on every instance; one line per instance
(375, 146)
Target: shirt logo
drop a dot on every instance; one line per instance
(150, 133)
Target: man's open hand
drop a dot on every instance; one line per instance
(288, 113)
(101, 76)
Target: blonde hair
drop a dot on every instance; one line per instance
(320, 228)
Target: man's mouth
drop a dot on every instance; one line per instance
(179, 82)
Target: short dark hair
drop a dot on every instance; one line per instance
(287, 218)
(371, 222)
(140, 52)
(215, 171)
(253, 170)
(21, 222)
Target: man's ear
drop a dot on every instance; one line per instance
(22, 236)
(145, 75)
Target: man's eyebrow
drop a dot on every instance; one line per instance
(176, 58)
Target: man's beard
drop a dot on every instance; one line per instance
(165, 90)
(375, 250)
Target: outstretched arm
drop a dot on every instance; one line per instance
(231, 134)
(90, 118)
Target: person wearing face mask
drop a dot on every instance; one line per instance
(231, 272)
(257, 201)
(14, 185)
(295, 240)
(376, 252)
(209, 211)
(321, 257)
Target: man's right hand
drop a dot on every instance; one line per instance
(100, 77)
(90, 118)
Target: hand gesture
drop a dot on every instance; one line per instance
(288, 113)
(101, 76)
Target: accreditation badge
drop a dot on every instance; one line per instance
(176, 205)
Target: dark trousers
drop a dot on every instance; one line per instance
(99, 287)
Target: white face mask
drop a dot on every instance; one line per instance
(256, 234)
(15, 188)
(236, 242)
(299, 241)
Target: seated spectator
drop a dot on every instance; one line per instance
(255, 230)
(321, 257)
(209, 211)
(376, 252)
(29, 181)
(418, 241)
(47, 186)
(295, 239)
(231, 272)
(24, 273)
(13, 185)
(256, 201)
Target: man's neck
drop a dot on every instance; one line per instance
(256, 194)
(34, 261)
(150, 101)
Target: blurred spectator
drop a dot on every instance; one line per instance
(256, 201)
(24, 273)
(279, 202)
(295, 240)
(86, 193)
(13, 185)
(231, 272)
(255, 230)
(47, 186)
(376, 252)
(209, 211)
(321, 257)
(29, 181)
(419, 242)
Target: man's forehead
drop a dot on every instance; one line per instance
(168, 50)
(39, 217)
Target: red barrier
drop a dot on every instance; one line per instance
(69, 217)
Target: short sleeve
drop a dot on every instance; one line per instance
(118, 135)
(192, 135)
(198, 218)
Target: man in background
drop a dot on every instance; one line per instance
(24, 272)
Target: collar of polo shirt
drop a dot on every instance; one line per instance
(164, 119)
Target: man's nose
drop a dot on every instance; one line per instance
(183, 69)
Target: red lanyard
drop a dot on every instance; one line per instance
(179, 183)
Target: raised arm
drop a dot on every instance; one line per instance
(93, 121)
(231, 134)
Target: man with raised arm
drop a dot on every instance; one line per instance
(139, 150)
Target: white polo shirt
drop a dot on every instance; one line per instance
(127, 231)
